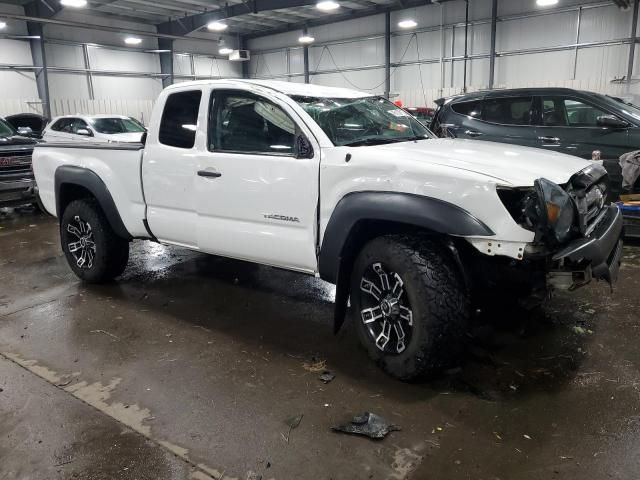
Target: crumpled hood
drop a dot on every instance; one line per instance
(509, 164)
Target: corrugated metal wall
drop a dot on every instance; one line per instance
(419, 76)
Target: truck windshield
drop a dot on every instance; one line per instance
(362, 121)
(113, 126)
(5, 129)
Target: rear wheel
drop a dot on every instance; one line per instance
(93, 250)
(410, 305)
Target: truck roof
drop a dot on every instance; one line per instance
(288, 88)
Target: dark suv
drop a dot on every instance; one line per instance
(17, 185)
(559, 119)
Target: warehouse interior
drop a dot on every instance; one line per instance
(197, 366)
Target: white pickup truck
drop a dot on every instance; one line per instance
(345, 186)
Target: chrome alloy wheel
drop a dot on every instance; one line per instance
(387, 314)
(84, 248)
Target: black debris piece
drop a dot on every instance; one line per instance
(368, 424)
(327, 376)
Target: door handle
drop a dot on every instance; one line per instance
(473, 133)
(209, 174)
(549, 139)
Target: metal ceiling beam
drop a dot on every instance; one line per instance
(366, 12)
(103, 28)
(189, 24)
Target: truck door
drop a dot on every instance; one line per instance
(169, 170)
(257, 197)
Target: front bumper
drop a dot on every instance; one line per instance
(596, 256)
(17, 192)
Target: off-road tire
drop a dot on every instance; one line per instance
(111, 251)
(438, 298)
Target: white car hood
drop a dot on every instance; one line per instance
(510, 164)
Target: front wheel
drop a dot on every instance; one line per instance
(93, 250)
(410, 305)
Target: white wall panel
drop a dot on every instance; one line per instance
(18, 85)
(182, 64)
(542, 67)
(604, 23)
(215, 67)
(368, 80)
(68, 85)
(70, 56)
(106, 87)
(544, 31)
(124, 61)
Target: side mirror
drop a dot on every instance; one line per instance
(304, 149)
(611, 121)
(25, 131)
(143, 138)
(85, 132)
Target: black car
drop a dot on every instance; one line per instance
(17, 185)
(559, 119)
(28, 124)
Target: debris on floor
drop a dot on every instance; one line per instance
(327, 376)
(292, 422)
(315, 366)
(368, 424)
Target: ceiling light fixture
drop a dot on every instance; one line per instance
(306, 39)
(133, 41)
(407, 23)
(3, 25)
(546, 3)
(73, 3)
(327, 5)
(217, 26)
(223, 49)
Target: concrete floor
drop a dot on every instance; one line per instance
(190, 365)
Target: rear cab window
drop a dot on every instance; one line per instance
(179, 121)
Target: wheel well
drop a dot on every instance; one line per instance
(68, 193)
(366, 230)
(362, 232)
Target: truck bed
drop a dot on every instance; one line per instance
(118, 165)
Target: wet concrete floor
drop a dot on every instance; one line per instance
(190, 365)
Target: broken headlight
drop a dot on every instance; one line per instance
(546, 209)
(555, 211)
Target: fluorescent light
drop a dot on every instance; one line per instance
(73, 3)
(217, 26)
(133, 41)
(3, 25)
(327, 5)
(225, 50)
(407, 23)
(546, 3)
(306, 39)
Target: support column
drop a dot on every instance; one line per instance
(306, 58)
(632, 48)
(387, 55)
(492, 52)
(87, 66)
(166, 61)
(39, 57)
(242, 45)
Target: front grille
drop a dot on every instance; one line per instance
(14, 162)
(595, 197)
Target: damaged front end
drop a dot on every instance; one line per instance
(577, 233)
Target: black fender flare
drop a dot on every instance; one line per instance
(88, 179)
(426, 213)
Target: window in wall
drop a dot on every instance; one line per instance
(508, 111)
(180, 119)
(471, 108)
(247, 123)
